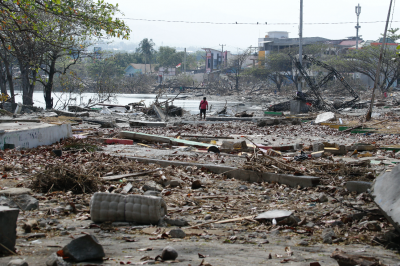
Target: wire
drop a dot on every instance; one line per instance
(248, 23)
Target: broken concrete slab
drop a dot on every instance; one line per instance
(358, 186)
(8, 228)
(15, 191)
(85, 248)
(146, 124)
(31, 135)
(24, 202)
(275, 214)
(160, 113)
(386, 194)
(17, 262)
(325, 117)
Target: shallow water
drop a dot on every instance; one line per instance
(190, 105)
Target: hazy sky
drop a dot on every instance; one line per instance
(242, 36)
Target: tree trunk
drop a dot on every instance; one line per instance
(27, 87)
(48, 88)
(3, 80)
(10, 80)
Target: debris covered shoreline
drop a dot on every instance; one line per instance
(209, 209)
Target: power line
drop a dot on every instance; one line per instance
(248, 23)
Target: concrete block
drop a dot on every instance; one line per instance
(298, 107)
(325, 117)
(26, 202)
(8, 228)
(15, 191)
(386, 194)
(318, 147)
(338, 150)
(358, 186)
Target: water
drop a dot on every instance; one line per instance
(124, 99)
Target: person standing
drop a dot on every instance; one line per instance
(203, 107)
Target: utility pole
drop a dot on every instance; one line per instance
(358, 12)
(299, 87)
(184, 62)
(368, 115)
(223, 61)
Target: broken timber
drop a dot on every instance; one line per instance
(116, 177)
(161, 139)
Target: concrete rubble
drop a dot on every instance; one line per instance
(128, 184)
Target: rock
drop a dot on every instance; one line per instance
(243, 187)
(26, 202)
(176, 222)
(169, 253)
(386, 194)
(275, 214)
(325, 117)
(327, 235)
(54, 260)
(152, 185)
(290, 221)
(17, 262)
(207, 217)
(177, 233)
(15, 191)
(8, 228)
(303, 243)
(84, 248)
(322, 197)
(196, 184)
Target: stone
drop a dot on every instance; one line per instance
(26, 202)
(303, 243)
(207, 217)
(318, 147)
(176, 222)
(386, 194)
(54, 260)
(177, 233)
(322, 197)
(17, 262)
(243, 187)
(325, 117)
(85, 248)
(327, 235)
(358, 186)
(275, 214)
(15, 191)
(196, 184)
(169, 253)
(8, 228)
(152, 185)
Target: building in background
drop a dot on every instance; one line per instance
(215, 59)
(135, 69)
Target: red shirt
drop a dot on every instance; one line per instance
(203, 104)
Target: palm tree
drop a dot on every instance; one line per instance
(146, 50)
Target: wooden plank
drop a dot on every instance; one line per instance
(116, 177)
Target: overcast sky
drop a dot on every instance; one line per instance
(242, 36)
